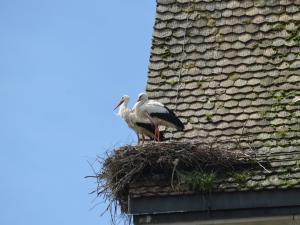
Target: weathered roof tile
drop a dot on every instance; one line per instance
(239, 65)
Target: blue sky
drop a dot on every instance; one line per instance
(64, 64)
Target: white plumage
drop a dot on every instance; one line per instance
(156, 113)
(141, 126)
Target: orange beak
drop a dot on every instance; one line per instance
(119, 104)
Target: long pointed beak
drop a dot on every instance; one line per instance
(119, 104)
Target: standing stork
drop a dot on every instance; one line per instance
(157, 113)
(140, 126)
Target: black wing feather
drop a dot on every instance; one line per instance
(170, 117)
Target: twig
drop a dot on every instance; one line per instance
(173, 171)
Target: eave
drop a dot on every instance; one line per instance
(214, 206)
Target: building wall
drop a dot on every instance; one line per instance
(283, 220)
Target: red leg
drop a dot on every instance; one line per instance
(158, 134)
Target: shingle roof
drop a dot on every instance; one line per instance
(238, 63)
(230, 68)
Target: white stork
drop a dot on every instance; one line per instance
(157, 113)
(140, 126)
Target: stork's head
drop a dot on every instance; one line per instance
(125, 98)
(142, 97)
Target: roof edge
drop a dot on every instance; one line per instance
(216, 202)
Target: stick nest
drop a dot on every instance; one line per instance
(129, 164)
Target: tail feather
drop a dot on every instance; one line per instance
(178, 123)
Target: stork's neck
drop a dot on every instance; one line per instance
(138, 107)
(123, 110)
(140, 103)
